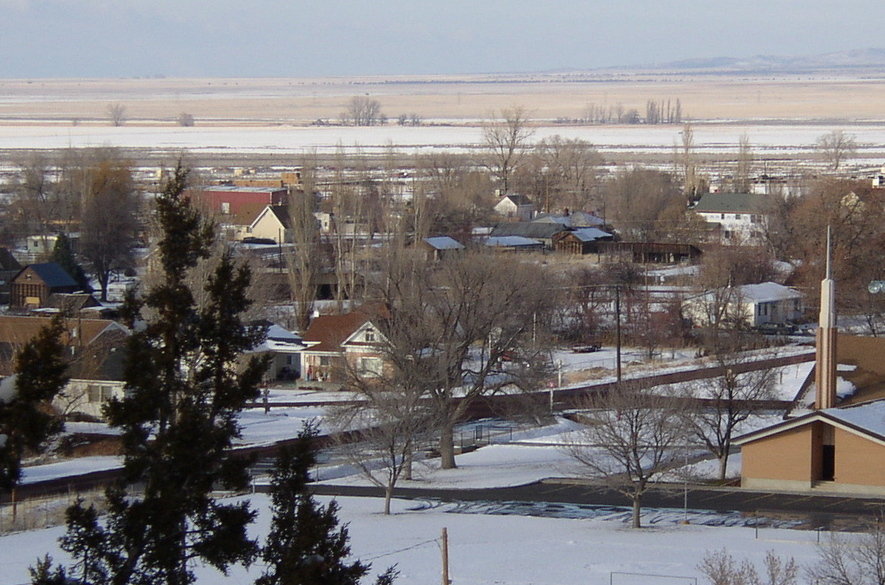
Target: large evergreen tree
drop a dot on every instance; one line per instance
(306, 545)
(25, 422)
(63, 255)
(177, 420)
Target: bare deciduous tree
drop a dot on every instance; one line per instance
(473, 325)
(388, 423)
(568, 172)
(109, 224)
(506, 136)
(628, 437)
(727, 402)
(362, 111)
(852, 559)
(305, 259)
(721, 568)
(688, 162)
(185, 119)
(116, 114)
(836, 146)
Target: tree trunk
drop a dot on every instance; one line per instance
(637, 507)
(723, 465)
(447, 446)
(407, 465)
(388, 495)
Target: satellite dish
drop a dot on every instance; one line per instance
(876, 286)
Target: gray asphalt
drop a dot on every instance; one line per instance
(818, 511)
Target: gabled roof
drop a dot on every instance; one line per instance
(8, 261)
(511, 242)
(16, 331)
(328, 332)
(52, 274)
(766, 292)
(444, 243)
(575, 219)
(527, 229)
(590, 234)
(731, 203)
(281, 212)
(517, 199)
(867, 420)
(71, 302)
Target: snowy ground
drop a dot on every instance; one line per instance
(770, 139)
(487, 548)
(500, 543)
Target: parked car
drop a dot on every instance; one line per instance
(590, 348)
(776, 329)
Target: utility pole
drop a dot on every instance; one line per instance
(445, 556)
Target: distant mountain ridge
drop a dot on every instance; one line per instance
(857, 59)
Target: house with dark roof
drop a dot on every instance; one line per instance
(739, 218)
(339, 346)
(9, 267)
(272, 223)
(513, 244)
(542, 232)
(32, 286)
(438, 247)
(580, 241)
(515, 206)
(284, 349)
(94, 350)
(571, 219)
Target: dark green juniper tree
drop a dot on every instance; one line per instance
(177, 421)
(306, 545)
(63, 255)
(24, 422)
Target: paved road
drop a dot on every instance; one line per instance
(812, 511)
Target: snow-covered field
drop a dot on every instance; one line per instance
(496, 549)
(503, 543)
(708, 138)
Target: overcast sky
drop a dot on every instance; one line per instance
(131, 38)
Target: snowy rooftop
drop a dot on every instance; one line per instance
(443, 243)
(506, 241)
(767, 292)
(869, 416)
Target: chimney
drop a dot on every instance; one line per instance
(825, 358)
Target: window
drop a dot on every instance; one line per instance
(737, 216)
(369, 366)
(324, 360)
(225, 207)
(370, 335)
(96, 393)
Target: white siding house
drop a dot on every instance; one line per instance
(749, 304)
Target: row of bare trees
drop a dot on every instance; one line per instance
(91, 192)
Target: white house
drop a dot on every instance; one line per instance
(748, 304)
(516, 206)
(740, 217)
(285, 348)
(272, 223)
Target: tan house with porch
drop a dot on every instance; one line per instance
(338, 346)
